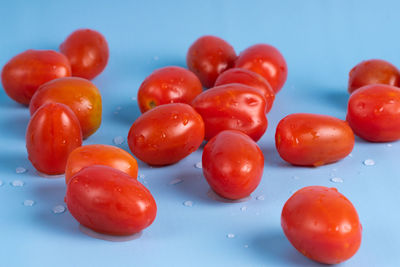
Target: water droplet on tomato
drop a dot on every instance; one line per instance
(185, 121)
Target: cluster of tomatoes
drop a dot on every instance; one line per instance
(102, 188)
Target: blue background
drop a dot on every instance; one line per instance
(321, 41)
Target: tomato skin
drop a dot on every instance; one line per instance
(81, 95)
(109, 201)
(373, 71)
(87, 51)
(52, 133)
(313, 140)
(267, 61)
(168, 85)
(208, 57)
(106, 155)
(322, 224)
(24, 73)
(166, 134)
(232, 171)
(373, 112)
(250, 78)
(232, 107)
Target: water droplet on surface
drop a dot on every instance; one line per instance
(246, 246)
(142, 176)
(156, 58)
(369, 162)
(350, 155)
(20, 170)
(17, 183)
(58, 209)
(1, 183)
(260, 197)
(118, 140)
(389, 145)
(336, 180)
(134, 98)
(175, 181)
(296, 177)
(244, 208)
(119, 108)
(188, 203)
(112, 238)
(198, 165)
(29, 203)
(230, 235)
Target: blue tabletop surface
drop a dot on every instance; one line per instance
(321, 41)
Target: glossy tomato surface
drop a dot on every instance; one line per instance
(168, 85)
(208, 57)
(52, 133)
(81, 95)
(232, 164)
(313, 140)
(111, 156)
(24, 73)
(109, 201)
(166, 134)
(87, 51)
(232, 107)
(373, 71)
(267, 61)
(250, 78)
(322, 224)
(373, 113)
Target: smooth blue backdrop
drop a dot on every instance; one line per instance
(321, 41)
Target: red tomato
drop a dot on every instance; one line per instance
(166, 134)
(52, 133)
(267, 61)
(100, 155)
(322, 224)
(25, 72)
(313, 140)
(373, 71)
(208, 57)
(250, 78)
(87, 50)
(168, 85)
(232, 107)
(81, 95)
(232, 164)
(109, 201)
(373, 113)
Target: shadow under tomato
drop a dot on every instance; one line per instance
(272, 158)
(274, 247)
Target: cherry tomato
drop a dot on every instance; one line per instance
(313, 140)
(250, 78)
(25, 72)
(109, 201)
(322, 224)
(81, 95)
(166, 134)
(373, 71)
(232, 107)
(52, 133)
(373, 112)
(232, 164)
(208, 57)
(111, 156)
(168, 85)
(267, 61)
(87, 50)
